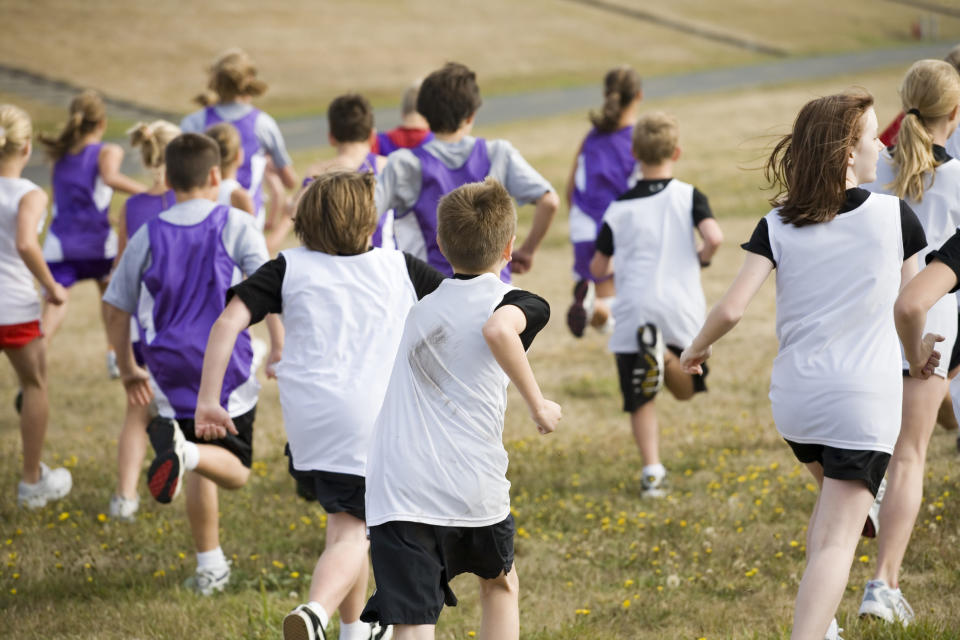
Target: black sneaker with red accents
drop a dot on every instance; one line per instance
(579, 313)
(165, 476)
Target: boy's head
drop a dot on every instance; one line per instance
(350, 118)
(475, 223)
(336, 214)
(192, 161)
(448, 97)
(655, 138)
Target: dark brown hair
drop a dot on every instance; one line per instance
(620, 87)
(808, 167)
(350, 118)
(336, 213)
(87, 111)
(232, 75)
(189, 158)
(448, 96)
(475, 223)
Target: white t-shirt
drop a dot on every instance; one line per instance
(20, 301)
(437, 455)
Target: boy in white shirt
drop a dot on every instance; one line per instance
(438, 501)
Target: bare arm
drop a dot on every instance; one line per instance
(135, 379)
(546, 209)
(502, 333)
(212, 420)
(29, 215)
(275, 328)
(601, 266)
(288, 177)
(240, 199)
(121, 234)
(712, 236)
(109, 161)
(910, 313)
(572, 177)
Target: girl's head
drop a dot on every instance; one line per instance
(15, 133)
(232, 76)
(152, 139)
(88, 114)
(930, 94)
(834, 141)
(621, 87)
(228, 139)
(336, 213)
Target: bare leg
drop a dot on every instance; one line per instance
(131, 449)
(202, 512)
(102, 285)
(221, 467)
(945, 415)
(53, 315)
(414, 631)
(30, 364)
(646, 433)
(340, 577)
(675, 378)
(500, 607)
(601, 310)
(901, 503)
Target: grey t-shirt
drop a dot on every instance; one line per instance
(265, 128)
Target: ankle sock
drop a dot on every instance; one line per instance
(354, 630)
(213, 559)
(191, 456)
(655, 470)
(318, 609)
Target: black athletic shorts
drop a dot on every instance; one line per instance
(413, 565)
(632, 400)
(240, 445)
(845, 464)
(336, 492)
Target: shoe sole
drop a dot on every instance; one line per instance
(161, 435)
(577, 314)
(875, 610)
(164, 477)
(295, 628)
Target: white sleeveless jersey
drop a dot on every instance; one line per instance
(437, 455)
(837, 378)
(343, 318)
(656, 270)
(227, 187)
(20, 300)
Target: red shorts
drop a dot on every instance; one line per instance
(17, 336)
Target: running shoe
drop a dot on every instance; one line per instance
(880, 601)
(647, 375)
(113, 370)
(206, 582)
(53, 485)
(302, 624)
(124, 509)
(652, 486)
(165, 475)
(579, 313)
(833, 631)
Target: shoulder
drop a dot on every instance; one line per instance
(108, 149)
(402, 160)
(498, 147)
(194, 122)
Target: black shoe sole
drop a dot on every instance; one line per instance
(164, 476)
(577, 314)
(160, 432)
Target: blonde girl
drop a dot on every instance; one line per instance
(231, 157)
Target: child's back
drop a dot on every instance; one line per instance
(80, 229)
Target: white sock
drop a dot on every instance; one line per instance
(211, 559)
(318, 609)
(354, 630)
(655, 470)
(191, 456)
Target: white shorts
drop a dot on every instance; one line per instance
(942, 319)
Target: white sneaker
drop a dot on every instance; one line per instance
(380, 633)
(881, 601)
(112, 369)
(206, 582)
(871, 528)
(833, 631)
(303, 624)
(124, 509)
(53, 485)
(652, 486)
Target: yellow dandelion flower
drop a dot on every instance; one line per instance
(626, 604)
(102, 517)
(13, 592)
(278, 564)
(794, 544)
(294, 574)
(63, 516)
(471, 634)
(628, 582)
(181, 555)
(752, 572)
(864, 558)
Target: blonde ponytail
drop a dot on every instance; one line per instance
(15, 130)
(87, 112)
(232, 75)
(152, 139)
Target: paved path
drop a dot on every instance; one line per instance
(305, 133)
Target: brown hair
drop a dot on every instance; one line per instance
(336, 214)
(232, 75)
(953, 57)
(15, 130)
(475, 223)
(808, 167)
(448, 96)
(620, 86)
(152, 139)
(929, 92)
(228, 140)
(350, 118)
(189, 158)
(655, 138)
(87, 111)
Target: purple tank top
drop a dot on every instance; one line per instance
(188, 278)
(609, 163)
(144, 207)
(436, 181)
(246, 127)
(78, 223)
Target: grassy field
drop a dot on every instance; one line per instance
(720, 558)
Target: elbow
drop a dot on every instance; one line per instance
(729, 315)
(495, 333)
(25, 247)
(550, 202)
(907, 309)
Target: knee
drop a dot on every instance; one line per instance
(507, 583)
(684, 393)
(238, 480)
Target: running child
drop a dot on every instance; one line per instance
(646, 242)
(438, 501)
(232, 86)
(80, 244)
(334, 293)
(413, 130)
(841, 255)
(414, 180)
(23, 207)
(919, 170)
(174, 275)
(231, 191)
(152, 140)
(603, 170)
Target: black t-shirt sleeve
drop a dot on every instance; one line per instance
(261, 291)
(759, 242)
(424, 277)
(535, 308)
(604, 242)
(914, 239)
(948, 254)
(701, 207)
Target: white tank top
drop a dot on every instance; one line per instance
(343, 318)
(20, 301)
(227, 187)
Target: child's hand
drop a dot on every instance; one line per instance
(521, 261)
(137, 385)
(691, 360)
(56, 295)
(272, 360)
(929, 357)
(212, 422)
(546, 416)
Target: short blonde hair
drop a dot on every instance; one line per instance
(475, 223)
(232, 75)
(336, 213)
(15, 130)
(152, 139)
(228, 139)
(655, 137)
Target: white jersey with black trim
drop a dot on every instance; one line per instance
(837, 379)
(20, 300)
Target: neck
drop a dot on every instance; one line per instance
(353, 153)
(939, 132)
(159, 183)
(229, 172)
(629, 115)
(660, 171)
(414, 121)
(11, 168)
(200, 193)
(495, 269)
(455, 136)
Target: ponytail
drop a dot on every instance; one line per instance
(87, 112)
(232, 75)
(15, 130)
(621, 87)
(152, 139)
